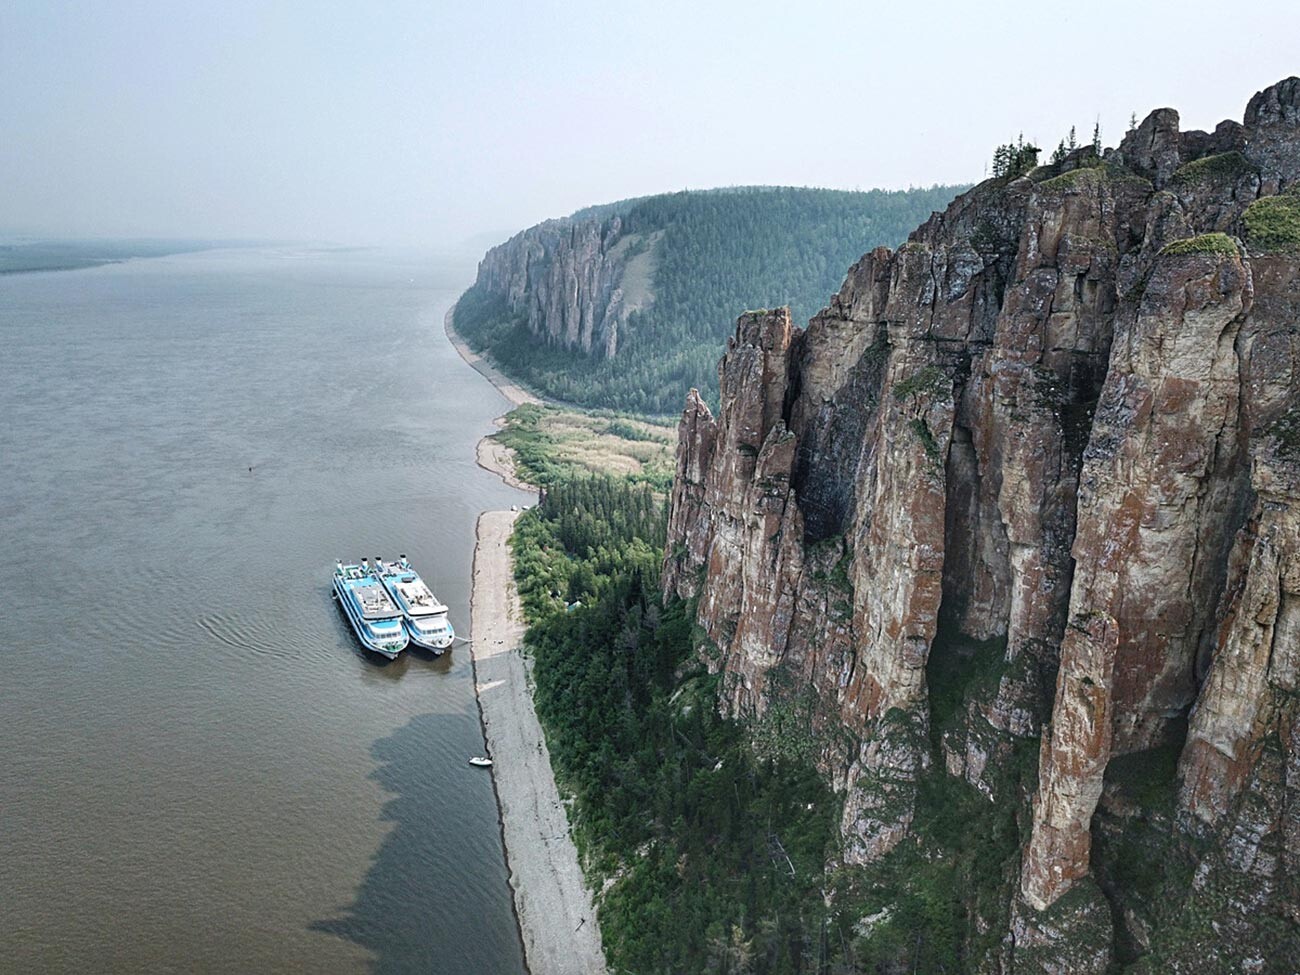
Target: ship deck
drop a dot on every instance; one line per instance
(372, 598)
(415, 594)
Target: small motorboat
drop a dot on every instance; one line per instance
(480, 761)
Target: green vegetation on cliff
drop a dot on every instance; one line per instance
(712, 855)
(1215, 243)
(1273, 224)
(1226, 167)
(717, 253)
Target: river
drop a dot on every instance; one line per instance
(200, 769)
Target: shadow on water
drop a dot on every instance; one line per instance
(437, 844)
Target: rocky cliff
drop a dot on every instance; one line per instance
(623, 306)
(1055, 434)
(574, 281)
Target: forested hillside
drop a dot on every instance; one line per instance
(709, 857)
(713, 843)
(627, 306)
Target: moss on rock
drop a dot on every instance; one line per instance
(1273, 224)
(1215, 243)
(1285, 430)
(1075, 178)
(1223, 167)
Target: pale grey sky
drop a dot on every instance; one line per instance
(430, 122)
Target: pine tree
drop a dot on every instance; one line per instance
(1002, 161)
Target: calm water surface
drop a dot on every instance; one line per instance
(199, 767)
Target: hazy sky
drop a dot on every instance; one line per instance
(431, 122)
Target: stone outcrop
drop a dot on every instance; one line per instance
(1061, 422)
(574, 282)
(1157, 501)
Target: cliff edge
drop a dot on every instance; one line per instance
(1058, 432)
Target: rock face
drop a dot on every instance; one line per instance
(574, 282)
(1062, 421)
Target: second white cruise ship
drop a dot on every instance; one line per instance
(424, 617)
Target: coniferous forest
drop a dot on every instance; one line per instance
(715, 844)
(720, 252)
(714, 857)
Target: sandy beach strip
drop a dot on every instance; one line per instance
(494, 456)
(556, 916)
(491, 455)
(511, 390)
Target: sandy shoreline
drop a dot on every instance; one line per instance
(557, 920)
(508, 387)
(491, 455)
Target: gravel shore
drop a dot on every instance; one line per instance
(557, 919)
(508, 387)
(556, 916)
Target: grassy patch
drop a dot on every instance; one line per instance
(552, 443)
(1273, 224)
(1215, 243)
(1094, 173)
(1074, 179)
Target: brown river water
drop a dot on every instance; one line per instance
(200, 769)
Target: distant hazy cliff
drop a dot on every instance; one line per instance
(574, 282)
(1057, 432)
(623, 305)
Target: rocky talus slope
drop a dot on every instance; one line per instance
(1058, 431)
